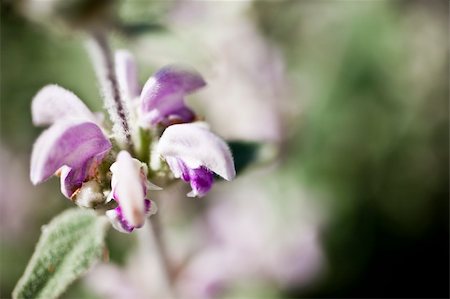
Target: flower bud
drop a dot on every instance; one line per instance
(89, 195)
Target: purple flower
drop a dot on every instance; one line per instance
(194, 153)
(129, 186)
(162, 97)
(74, 144)
(73, 147)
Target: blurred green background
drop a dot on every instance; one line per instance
(363, 122)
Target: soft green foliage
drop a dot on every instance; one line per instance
(67, 248)
(244, 153)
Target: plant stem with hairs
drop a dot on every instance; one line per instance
(157, 243)
(103, 61)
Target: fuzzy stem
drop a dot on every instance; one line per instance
(104, 64)
(161, 251)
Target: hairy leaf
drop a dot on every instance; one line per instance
(67, 248)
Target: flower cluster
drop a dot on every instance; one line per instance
(96, 171)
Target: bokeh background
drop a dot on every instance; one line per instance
(348, 195)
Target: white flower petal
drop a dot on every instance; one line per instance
(196, 146)
(174, 167)
(126, 72)
(128, 189)
(53, 103)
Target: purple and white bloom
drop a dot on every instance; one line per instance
(79, 148)
(74, 144)
(194, 153)
(129, 189)
(161, 100)
(73, 148)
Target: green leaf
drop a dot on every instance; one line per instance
(69, 245)
(136, 29)
(245, 153)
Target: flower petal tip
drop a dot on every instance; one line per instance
(196, 146)
(162, 97)
(127, 74)
(53, 103)
(182, 77)
(153, 187)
